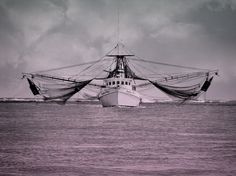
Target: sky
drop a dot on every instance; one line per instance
(37, 35)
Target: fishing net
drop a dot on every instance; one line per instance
(55, 89)
(185, 92)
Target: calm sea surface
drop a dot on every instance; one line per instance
(86, 139)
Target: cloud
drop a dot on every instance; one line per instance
(218, 19)
(36, 35)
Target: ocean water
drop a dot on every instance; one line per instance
(88, 140)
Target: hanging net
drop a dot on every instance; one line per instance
(55, 89)
(185, 92)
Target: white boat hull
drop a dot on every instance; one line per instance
(119, 97)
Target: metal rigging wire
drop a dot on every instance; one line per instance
(137, 58)
(74, 65)
(66, 67)
(166, 64)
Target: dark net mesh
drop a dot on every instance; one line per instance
(184, 92)
(53, 89)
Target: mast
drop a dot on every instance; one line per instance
(118, 27)
(122, 69)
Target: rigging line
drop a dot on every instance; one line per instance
(114, 60)
(187, 75)
(166, 64)
(142, 66)
(107, 54)
(200, 77)
(95, 67)
(148, 87)
(92, 88)
(90, 66)
(183, 79)
(94, 71)
(163, 75)
(132, 65)
(51, 77)
(193, 86)
(180, 79)
(102, 59)
(65, 67)
(118, 26)
(74, 75)
(162, 63)
(144, 84)
(75, 65)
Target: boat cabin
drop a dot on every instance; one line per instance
(119, 82)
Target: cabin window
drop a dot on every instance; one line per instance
(126, 83)
(109, 83)
(122, 82)
(118, 82)
(129, 83)
(113, 82)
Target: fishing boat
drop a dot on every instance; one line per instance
(119, 86)
(117, 79)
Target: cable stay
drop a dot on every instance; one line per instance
(32, 75)
(167, 64)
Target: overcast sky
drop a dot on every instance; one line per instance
(41, 34)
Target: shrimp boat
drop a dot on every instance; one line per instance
(120, 87)
(118, 79)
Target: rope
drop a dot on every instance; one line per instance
(166, 64)
(143, 67)
(65, 67)
(162, 63)
(75, 65)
